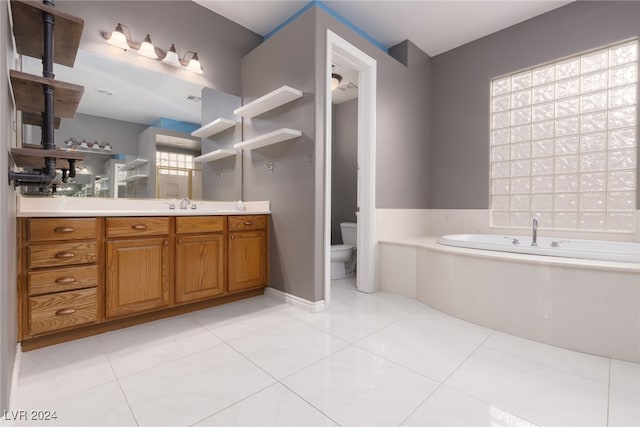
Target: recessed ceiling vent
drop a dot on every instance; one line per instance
(194, 98)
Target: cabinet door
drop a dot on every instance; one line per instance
(199, 266)
(247, 259)
(137, 275)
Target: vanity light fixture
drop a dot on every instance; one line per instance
(335, 80)
(171, 57)
(193, 64)
(117, 37)
(147, 49)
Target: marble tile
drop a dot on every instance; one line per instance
(61, 370)
(104, 405)
(362, 315)
(147, 345)
(343, 289)
(543, 395)
(190, 389)
(287, 347)
(450, 407)
(593, 367)
(438, 322)
(624, 408)
(245, 317)
(355, 387)
(274, 406)
(625, 376)
(420, 345)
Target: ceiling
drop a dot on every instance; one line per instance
(125, 90)
(434, 26)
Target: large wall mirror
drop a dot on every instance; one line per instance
(134, 126)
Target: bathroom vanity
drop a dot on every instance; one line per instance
(82, 274)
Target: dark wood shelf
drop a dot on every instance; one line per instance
(27, 91)
(34, 157)
(35, 119)
(28, 30)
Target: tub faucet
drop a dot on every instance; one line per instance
(184, 203)
(534, 241)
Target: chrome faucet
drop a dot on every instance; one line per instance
(184, 203)
(534, 242)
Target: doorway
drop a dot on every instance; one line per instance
(347, 54)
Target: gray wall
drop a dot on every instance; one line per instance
(459, 161)
(8, 286)
(222, 179)
(285, 59)
(296, 56)
(220, 43)
(344, 166)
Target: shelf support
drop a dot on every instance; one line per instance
(45, 176)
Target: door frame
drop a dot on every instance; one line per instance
(366, 242)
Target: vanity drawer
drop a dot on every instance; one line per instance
(62, 279)
(57, 311)
(247, 222)
(199, 224)
(137, 226)
(53, 255)
(47, 229)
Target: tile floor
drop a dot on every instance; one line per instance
(371, 360)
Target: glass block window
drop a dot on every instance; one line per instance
(564, 140)
(170, 163)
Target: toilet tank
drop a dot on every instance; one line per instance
(349, 236)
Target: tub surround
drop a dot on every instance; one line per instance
(87, 207)
(584, 305)
(394, 224)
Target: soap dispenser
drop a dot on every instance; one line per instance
(239, 205)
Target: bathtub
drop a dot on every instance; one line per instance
(567, 300)
(571, 248)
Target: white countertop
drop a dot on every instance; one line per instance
(96, 206)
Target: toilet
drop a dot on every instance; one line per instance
(343, 257)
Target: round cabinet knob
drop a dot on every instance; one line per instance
(165, 242)
(179, 241)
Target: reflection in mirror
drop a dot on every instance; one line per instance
(134, 126)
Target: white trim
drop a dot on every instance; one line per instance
(302, 303)
(366, 243)
(15, 376)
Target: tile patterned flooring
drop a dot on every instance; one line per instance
(371, 360)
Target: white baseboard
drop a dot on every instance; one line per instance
(302, 303)
(15, 375)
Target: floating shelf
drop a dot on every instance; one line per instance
(135, 178)
(35, 119)
(270, 138)
(214, 127)
(214, 155)
(268, 102)
(27, 91)
(133, 164)
(28, 31)
(34, 157)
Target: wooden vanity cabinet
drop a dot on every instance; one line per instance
(248, 260)
(82, 276)
(60, 276)
(138, 265)
(200, 260)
